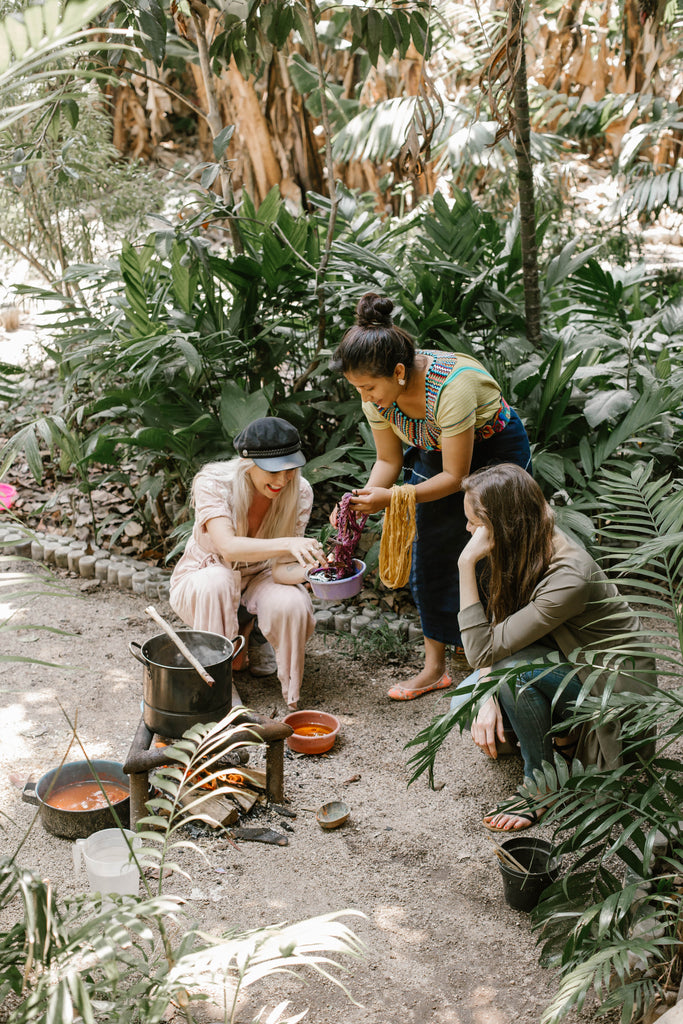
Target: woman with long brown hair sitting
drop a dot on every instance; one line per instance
(544, 592)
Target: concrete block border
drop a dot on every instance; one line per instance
(129, 573)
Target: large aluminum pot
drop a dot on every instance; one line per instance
(175, 697)
(74, 823)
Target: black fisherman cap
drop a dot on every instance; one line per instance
(272, 443)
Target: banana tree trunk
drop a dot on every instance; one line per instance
(214, 119)
(254, 134)
(527, 206)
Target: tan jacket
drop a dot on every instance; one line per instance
(576, 606)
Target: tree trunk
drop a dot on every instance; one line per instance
(299, 151)
(632, 42)
(527, 207)
(253, 132)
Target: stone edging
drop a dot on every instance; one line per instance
(132, 574)
(118, 570)
(342, 618)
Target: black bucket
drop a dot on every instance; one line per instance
(175, 695)
(523, 890)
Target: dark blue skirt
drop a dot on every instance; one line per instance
(442, 530)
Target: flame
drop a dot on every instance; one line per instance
(212, 781)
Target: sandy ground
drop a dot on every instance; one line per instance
(441, 944)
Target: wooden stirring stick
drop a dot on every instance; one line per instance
(185, 651)
(506, 857)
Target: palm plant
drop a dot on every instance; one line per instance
(64, 183)
(128, 958)
(42, 43)
(593, 925)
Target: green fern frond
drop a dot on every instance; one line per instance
(643, 133)
(597, 973)
(430, 739)
(651, 194)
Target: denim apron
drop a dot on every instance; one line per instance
(442, 529)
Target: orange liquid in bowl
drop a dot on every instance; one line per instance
(86, 796)
(312, 730)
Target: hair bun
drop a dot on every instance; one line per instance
(374, 311)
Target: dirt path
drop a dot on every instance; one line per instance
(442, 946)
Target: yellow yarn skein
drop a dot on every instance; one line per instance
(396, 546)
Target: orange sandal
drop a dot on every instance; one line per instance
(403, 693)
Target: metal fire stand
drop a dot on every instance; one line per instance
(256, 728)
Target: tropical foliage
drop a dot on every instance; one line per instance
(616, 910)
(321, 151)
(128, 957)
(153, 346)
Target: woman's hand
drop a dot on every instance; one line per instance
(307, 550)
(487, 726)
(365, 501)
(478, 546)
(370, 499)
(308, 553)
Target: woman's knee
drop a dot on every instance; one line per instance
(529, 708)
(283, 601)
(212, 584)
(216, 576)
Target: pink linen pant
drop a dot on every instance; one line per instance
(208, 599)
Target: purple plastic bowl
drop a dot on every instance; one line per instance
(338, 590)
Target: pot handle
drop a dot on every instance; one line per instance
(28, 793)
(241, 646)
(77, 854)
(136, 650)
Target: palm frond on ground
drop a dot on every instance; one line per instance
(126, 958)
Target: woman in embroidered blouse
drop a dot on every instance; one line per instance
(248, 546)
(449, 412)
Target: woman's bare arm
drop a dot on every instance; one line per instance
(376, 495)
(306, 551)
(290, 572)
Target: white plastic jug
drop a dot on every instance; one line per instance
(108, 861)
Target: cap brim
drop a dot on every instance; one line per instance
(294, 461)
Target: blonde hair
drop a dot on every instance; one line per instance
(283, 512)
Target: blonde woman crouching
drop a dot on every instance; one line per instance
(248, 548)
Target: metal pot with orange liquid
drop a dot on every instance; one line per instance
(71, 800)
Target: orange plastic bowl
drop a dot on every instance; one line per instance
(303, 744)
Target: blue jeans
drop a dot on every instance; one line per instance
(529, 709)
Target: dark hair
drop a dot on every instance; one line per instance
(374, 345)
(511, 504)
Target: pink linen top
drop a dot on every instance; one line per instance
(212, 498)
